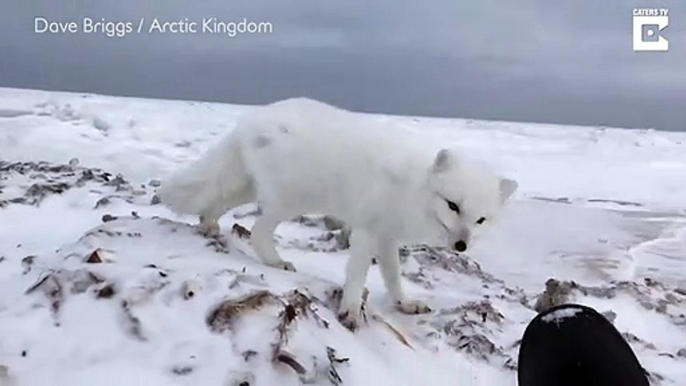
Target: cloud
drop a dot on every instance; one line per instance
(563, 62)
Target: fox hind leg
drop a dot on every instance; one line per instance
(209, 218)
(263, 241)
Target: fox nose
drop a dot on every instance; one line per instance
(460, 246)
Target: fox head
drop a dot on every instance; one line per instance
(464, 196)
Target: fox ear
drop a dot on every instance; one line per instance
(507, 188)
(443, 161)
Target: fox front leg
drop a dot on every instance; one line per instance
(350, 311)
(389, 263)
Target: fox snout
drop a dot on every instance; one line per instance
(460, 246)
(461, 240)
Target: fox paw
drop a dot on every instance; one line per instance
(209, 229)
(412, 307)
(352, 320)
(283, 265)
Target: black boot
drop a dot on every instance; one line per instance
(573, 345)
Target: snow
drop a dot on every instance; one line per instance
(559, 315)
(603, 208)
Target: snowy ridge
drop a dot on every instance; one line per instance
(150, 290)
(99, 283)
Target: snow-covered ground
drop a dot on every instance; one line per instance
(98, 283)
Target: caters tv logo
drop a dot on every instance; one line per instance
(649, 26)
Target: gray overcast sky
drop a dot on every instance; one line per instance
(568, 61)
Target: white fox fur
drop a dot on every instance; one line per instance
(300, 156)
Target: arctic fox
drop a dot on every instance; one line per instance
(300, 156)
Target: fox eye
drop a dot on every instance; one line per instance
(481, 220)
(453, 206)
